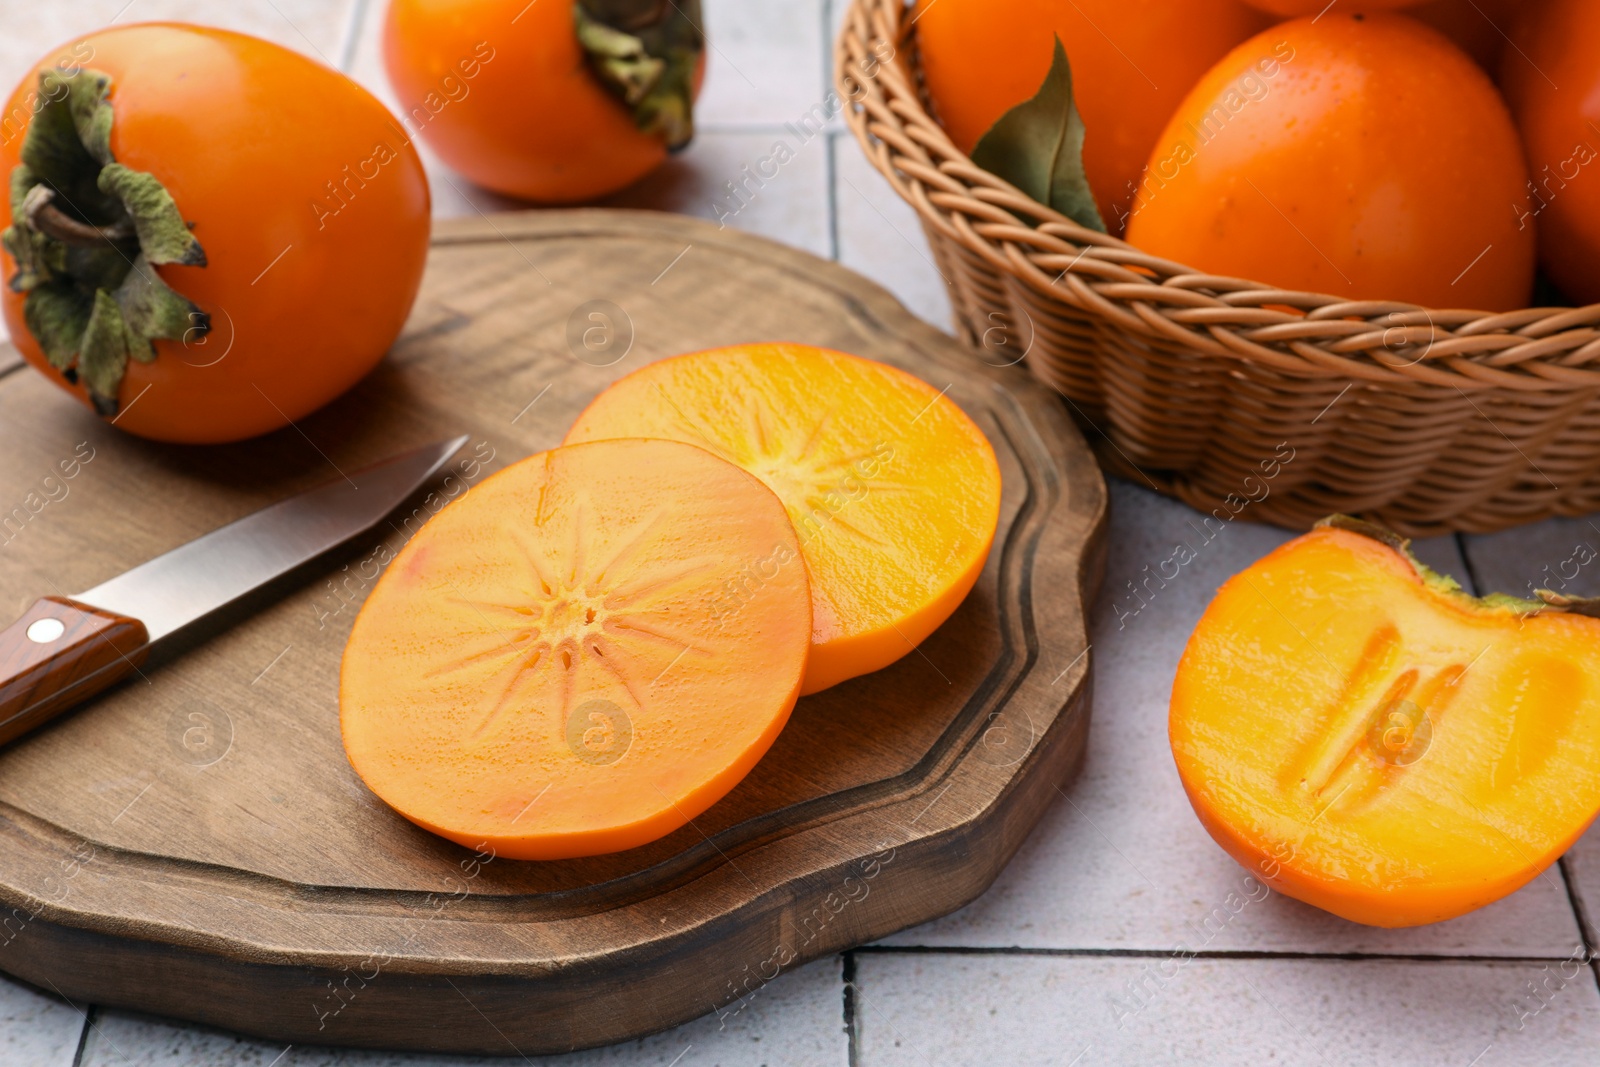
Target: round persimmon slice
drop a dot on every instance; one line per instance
(545, 670)
(893, 490)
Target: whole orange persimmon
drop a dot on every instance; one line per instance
(228, 236)
(1552, 79)
(1132, 62)
(545, 101)
(1363, 156)
(1296, 8)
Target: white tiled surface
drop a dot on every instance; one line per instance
(795, 1021)
(35, 1029)
(1022, 1011)
(1078, 934)
(1121, 862)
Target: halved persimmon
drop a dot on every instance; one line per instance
(543, 670)
(1364, 736)
(895, 493)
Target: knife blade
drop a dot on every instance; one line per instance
(65, 649)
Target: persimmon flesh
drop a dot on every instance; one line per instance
(1365, 737)
(894, 492)
(541, 671)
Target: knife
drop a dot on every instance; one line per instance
(63, 650)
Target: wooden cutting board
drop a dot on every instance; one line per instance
(195, 844)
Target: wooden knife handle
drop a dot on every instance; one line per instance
(59, 653)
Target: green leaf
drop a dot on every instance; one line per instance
(85, 234)
(104, 356)
(151, 309)
(1038, 147)
(51, 150)
(629, 68)
(57, 314)
(101, 266)
(646, 53)
(54, 150)
(31, 256)
(162, 233)
(91, 114)
(22, 182)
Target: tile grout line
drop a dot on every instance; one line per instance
(83, 1035)
(852, 1026)
(13, 368)
(736, 128)
(830, 145)
(350, 36)
(1466, 560)
(1212, 954)
(1586, 932)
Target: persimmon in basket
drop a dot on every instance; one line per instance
(1552, 79)
(1132, 61)
(1363, 156)
(1480, 28)
(1364, 736)
(1293, 8)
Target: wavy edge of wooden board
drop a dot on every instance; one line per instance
(766, 895)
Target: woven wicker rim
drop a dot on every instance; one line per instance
(1531, 350)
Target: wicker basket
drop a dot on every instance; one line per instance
(1209, 388)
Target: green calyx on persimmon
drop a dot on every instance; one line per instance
(85, 234)
(647, 53)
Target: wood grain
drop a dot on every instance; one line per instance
(59, 653)
(195, 843)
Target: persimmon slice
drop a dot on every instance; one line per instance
(894, 492)
(1362, 735)
(543, 669)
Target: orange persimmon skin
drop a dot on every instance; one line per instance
(531, 121)
(540, 672)
(1552, 79)
(1299, 174)
(1384, 749)
(1296, 8)
(1132, 62)
(894, 492)
(306, 288)
(1478, 27)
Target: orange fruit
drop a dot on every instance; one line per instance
(892, 489)
(1363, 156)
(1132, 61)
(1552, 79)
(295, 183)
(502, 91)
(1294, 8)
(1478, 27)
(538, 673)
(1363, 736)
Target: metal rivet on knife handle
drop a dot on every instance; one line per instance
(59, 653)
